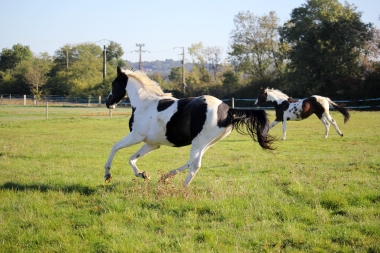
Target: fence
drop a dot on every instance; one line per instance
(372, 104)
(30, 100)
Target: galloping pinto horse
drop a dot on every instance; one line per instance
(291, 109)
(160, 119)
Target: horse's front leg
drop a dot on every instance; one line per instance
(283, 130)
(273, 124)
(140, 153)
(127, 141)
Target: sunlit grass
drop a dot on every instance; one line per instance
(309, 195)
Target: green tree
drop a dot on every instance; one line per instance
(230, 81)
(35, 72)
(255, 47)
(214, 56)
(59, 82)
(198, 54)
(84, 74)
(10, 81)
(114, 54)
(326, 40)
(176, 75)
(10, 58)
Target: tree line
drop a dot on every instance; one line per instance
(324, 48)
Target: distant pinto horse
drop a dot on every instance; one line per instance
(288, 108)
(160, 119)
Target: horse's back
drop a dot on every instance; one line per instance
(188, 117)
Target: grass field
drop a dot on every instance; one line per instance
(309, 195)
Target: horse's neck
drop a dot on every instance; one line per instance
(274, 97)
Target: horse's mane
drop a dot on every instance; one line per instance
(148, 84)
(277, 92)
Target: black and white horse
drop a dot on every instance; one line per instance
(291, 109)
(160, 119)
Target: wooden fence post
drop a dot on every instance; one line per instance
(233, 103)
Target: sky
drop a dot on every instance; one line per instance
(163, 26)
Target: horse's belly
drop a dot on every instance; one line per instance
(157, 136)
(293, 113)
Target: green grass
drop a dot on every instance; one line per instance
(309, 195)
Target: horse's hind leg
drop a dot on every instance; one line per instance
(196, 153)
(333, 122)
(194, 163)
(198, 148)
(326, 123)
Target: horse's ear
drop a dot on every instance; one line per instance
(118, 70)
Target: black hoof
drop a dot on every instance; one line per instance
(108, 178)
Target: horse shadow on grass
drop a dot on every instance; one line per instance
(81, 189)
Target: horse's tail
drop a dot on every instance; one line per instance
(343, 110)
(256, 125)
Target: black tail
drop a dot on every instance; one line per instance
(256, 124)
(343, 110)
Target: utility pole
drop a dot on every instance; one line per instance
(67, 68)
(141, 51)
(183, 70)
(104, 42)
(104, 62)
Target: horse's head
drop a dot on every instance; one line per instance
(118, 91)
(262, 97)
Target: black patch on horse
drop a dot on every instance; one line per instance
(224, 120)
(280, 109)
(131, 119)
(187, 122)
(164, 104)
(310, 105)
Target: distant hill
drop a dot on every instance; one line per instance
(163, 67)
